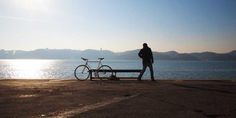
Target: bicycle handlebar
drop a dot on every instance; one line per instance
(100, 58)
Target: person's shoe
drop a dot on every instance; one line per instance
(153, 79)
(139, 79)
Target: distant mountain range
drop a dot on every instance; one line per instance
(92, 54)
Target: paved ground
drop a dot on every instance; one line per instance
(121, 99)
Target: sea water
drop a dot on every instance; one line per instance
(163, 70)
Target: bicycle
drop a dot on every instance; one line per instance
(81, 72)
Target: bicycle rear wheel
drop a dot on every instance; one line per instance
(81, 72)
(105, 72)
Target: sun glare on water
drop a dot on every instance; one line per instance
(28, 69)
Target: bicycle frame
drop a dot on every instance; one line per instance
(99, 61)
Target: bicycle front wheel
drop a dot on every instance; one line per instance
(105, 72)
(81, 72)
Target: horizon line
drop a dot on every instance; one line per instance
(114, 51)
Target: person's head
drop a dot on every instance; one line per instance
(145, 45)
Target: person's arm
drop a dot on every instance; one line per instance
(140, 54)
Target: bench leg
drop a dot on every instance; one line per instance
(91, 75)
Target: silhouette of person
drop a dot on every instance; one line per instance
(146, 54)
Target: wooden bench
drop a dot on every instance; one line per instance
(115, 71)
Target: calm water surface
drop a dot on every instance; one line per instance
(63, 69)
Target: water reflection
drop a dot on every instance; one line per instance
(27, 68)
(63, 69)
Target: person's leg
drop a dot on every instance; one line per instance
(143, 70)
(151, 71)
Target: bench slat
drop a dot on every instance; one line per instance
(119, 70)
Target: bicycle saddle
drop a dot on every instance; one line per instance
(100, 58)
(84, 59)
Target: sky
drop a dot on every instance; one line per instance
(119, 25)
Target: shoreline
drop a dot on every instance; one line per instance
(121, 79)
(73, 98)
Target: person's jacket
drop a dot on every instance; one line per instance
(146, 55)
